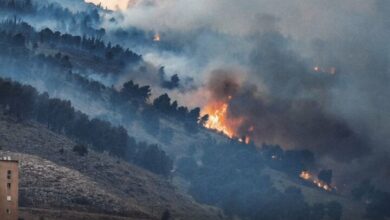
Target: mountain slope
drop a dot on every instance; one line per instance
(54, 177)
(351, 209)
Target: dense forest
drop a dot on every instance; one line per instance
(85, 22)
(25, 103)
(129, 99)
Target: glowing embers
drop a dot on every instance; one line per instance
(245, 139)
(307, 176)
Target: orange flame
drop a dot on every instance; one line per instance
(247, 140)
(220, 120)
(305, 175)
(320, 184)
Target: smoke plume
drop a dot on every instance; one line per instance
(303, 73)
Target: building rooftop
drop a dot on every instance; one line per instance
(8, 159)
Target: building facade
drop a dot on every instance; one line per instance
(9, 188)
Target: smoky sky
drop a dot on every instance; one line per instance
(293, 122)
(263, 53)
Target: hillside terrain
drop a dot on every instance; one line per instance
(56, 178)
(143, 197)
(351, 209)
(105, 131)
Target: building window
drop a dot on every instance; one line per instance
(8, 211)
(9, 186)
(9, 198)
(9, 174)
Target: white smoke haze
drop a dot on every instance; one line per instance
(300, 18)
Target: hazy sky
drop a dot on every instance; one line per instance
(111, 4)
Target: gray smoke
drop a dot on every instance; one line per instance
(295, 121)
(306, 73)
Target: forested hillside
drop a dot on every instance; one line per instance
(84, 105)
(57, 182)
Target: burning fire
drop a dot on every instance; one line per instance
(157, 37)
(218, 118)
(245, 140)
(305, 175)
(220, 121)
(310, 178)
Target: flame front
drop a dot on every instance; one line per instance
(305, 175)
(218, 118)
(320, 184)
